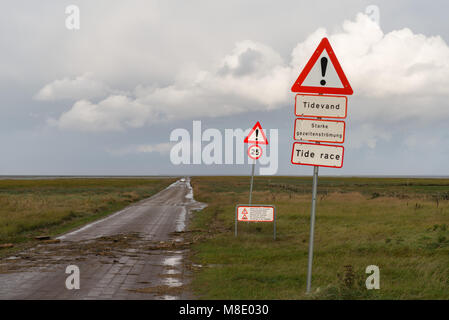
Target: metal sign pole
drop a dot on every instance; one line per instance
(236, 218)
(313, 82)
(312, 228)
(274, 224)
(252, 180)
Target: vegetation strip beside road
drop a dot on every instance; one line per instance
(31, 208)
(400, 225)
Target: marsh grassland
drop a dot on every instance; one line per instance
(29, 208)
(400, 225)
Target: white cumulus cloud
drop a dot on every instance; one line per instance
(379, 66)
(115, 113)
(252, 77)
(80, 87)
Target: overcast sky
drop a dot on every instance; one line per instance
(103, 100)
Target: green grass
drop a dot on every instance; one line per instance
(400, 225)
(53, 206)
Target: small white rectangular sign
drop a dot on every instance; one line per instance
(322, 155)
(255, 213)
(319, 130)
(326, 106)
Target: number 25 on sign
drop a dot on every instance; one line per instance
(255, 152)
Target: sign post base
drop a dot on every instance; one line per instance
(312, 228)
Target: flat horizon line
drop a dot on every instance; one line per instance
(18, 176)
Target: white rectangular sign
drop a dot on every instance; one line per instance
(322, 155)
(319, 130)
(312, 105)
(255, 213)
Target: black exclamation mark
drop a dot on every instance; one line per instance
(323, 70)
(257, 133)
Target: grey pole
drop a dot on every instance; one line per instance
(236, 218)
(312, 228)
(252, 179)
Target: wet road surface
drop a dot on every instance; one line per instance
(136, 253)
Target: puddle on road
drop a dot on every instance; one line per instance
(172, 261)
(181, 222)
(109, 249)
(172, 282)
(12, 258)
(189, 195)
(172, 271)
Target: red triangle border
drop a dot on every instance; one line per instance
(257, 125)
(297, 86)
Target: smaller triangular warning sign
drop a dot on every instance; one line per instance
(256, 135)
(323, 73)
(244, 213)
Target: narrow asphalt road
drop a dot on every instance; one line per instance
(136, 253)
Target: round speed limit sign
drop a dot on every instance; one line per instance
(255, 152)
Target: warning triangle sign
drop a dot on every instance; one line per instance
(256, 135)
(244, 213)
(323, 73)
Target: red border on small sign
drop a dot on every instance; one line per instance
(318, 165)
(308, 119)
(255, 145)
(272, 218)
(318, 95)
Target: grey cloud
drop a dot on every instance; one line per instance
(157, 66)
